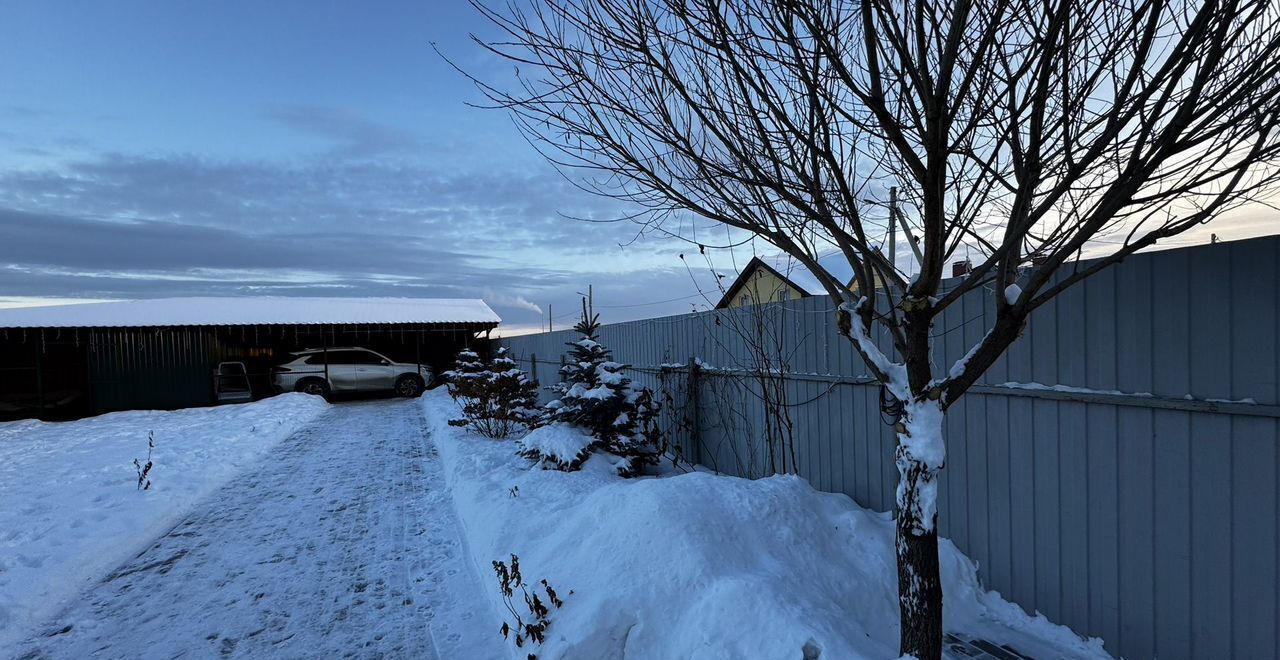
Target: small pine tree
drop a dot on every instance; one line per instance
(515, 395)
(467, 368)
(496, 397)
(596, 396)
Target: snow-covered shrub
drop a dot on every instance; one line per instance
(558, 446)
(597, 398)
(531, 622)
(496, 397)
(144, 471)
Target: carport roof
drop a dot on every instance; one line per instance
(164, 312)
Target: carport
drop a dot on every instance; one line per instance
(67, 361)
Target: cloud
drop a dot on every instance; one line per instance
(352, 135)
(16, 111)
(119, 225)
(493, 209)
(377, 209)
(116, 225)
(65, 242)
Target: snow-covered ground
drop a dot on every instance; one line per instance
(702, 565)
(342, 543)
(289, 528)
(70, 510)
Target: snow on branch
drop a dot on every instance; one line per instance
(892, 374)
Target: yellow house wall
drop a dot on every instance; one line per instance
(764, 287)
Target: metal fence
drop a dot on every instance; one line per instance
(1117, 471)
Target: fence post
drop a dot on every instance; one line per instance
(695, 418)
(40, 377)
(533, 366)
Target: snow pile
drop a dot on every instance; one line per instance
(72, 510)
(559, 444)
(705, 566)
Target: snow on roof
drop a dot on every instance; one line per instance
(792, 269)
(249, 311)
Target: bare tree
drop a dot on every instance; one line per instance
(1023, 131)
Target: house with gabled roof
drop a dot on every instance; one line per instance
(760, 283)
(780, 278)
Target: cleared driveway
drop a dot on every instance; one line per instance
(341, 543)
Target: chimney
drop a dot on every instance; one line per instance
(961, 268)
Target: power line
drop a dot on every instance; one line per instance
(568, 315)
(655, 302)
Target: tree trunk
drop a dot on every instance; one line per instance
(919, 583)
(919, 456)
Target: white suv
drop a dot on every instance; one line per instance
(349, 369)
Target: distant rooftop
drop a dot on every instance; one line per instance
(250, 311)
(791, 268)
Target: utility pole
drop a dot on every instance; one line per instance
(911, 240)
(893, 228)
(588, 302)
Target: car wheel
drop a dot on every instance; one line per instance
(409, 386)
(314, 386)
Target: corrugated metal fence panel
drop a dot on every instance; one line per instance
(1152, 527)
(166, 368)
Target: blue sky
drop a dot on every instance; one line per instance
(170, 148)
(208, 77)
(293, 148)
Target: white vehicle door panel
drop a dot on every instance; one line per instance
(342, 371)
(372, 374)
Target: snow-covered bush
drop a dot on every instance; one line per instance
(558, 446)
(496, 398)
(596, 398)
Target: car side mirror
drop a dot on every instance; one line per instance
(386, 363)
